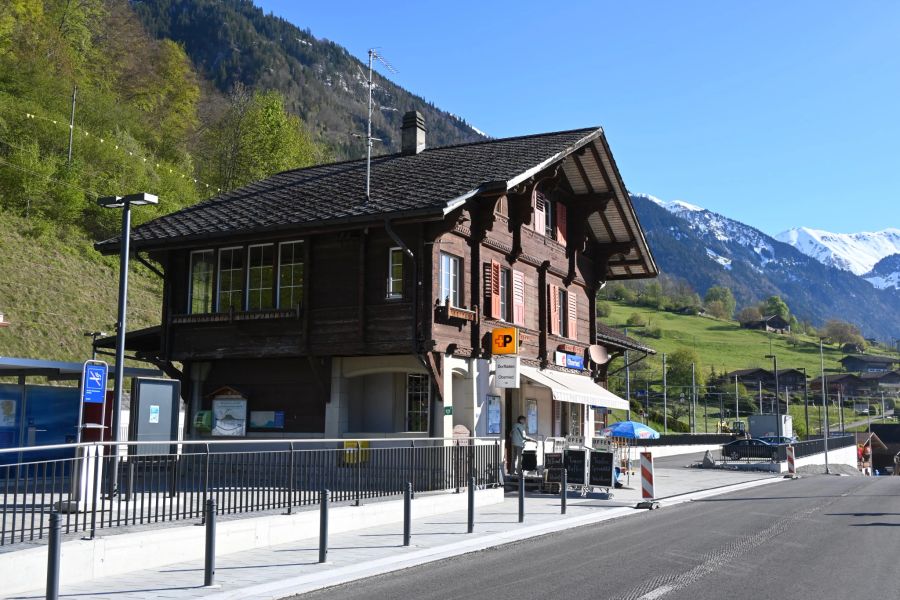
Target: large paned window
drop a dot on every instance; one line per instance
(261, 277)
(290, 274)
(231, 279)
(395, 273)
(418, 396)
(450, 279)
(201, 293)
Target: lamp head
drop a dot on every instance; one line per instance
(139, 199)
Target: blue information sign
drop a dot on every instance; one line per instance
(93, 383)
(574, 362)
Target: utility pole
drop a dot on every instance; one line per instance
(779, 429)
(665, 398)
(805, 399)
(737, 406)
(693, 400)
(760, 397)
(824, 405)
(72, 123)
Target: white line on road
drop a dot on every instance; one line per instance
(660, 591)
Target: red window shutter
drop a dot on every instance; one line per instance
(539, 219)
(495, 289)
(553, 304)
(573, 315)
(561, 223)
(518, 297)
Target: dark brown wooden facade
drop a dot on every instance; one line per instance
(531, 253)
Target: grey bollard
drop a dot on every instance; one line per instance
(53, 557)
(563, 488)
(209, 560)
(471, 522)
(521, 498)
(407, 513)
(323, 526)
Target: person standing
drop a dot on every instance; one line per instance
(518, 437)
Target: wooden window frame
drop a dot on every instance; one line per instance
(452, 259)
(504, 292)
(391, 293)
(249, 267)
(213, 281)
(278, 264)
(426, 383)
(243, 278)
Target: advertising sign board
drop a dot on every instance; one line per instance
(506, 374)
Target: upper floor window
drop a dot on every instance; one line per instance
(201, 285)
(260, 277)
(563, 307)
(504, 289)
(395, 273)
(290, 274)
(450, 279)
(550, 217)
(231, 279)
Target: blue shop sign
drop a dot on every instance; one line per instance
(575, 362)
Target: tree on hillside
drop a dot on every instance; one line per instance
(841, 332)
(679, 368)
(748, 315)
(256, 138)
(719, 302)
(774, 305)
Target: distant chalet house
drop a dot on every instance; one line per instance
(794, 379)
(851, 348)
(866, 363)
(774, 324)
(847, 385)
(334, 315)
(885, 381)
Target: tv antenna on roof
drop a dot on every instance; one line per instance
(370, 83)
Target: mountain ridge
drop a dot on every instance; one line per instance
(854, 252)
(707, 249)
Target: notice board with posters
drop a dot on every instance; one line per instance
(574, 461)
(602, 469)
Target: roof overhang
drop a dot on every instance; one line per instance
(58, 370)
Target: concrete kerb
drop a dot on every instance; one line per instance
(307, 583)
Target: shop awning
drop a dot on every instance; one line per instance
(578, 389)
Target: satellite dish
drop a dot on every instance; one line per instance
(599, 355)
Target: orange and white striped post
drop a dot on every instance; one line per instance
(647, 489)
(792, 469)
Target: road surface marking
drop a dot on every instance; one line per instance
(660, 591)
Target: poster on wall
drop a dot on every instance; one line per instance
(7, 413)
(531, 415)
(229, 416)
(267, 419)
(493, 414)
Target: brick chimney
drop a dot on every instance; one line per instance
(412, 139)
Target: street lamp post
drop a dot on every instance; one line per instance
(94, 335)
(805, 398)
(777, 404)
(824, 405)
(125, 203)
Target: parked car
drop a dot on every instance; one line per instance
(777, 440)
(752, 448)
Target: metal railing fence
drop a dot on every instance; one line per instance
(159, 483)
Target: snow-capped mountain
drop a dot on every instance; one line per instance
(854, 252)
(886, 273)
(707, 249)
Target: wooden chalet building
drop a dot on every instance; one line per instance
(773, 324)
(330, 314)
(794, 379)
(845, 385)
(868, 363)
(884, 381)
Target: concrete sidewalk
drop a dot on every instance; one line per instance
(288, 569)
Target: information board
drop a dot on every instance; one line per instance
(574, 461)
(602, 471)
(553, 464)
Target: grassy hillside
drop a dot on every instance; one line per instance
(723, 345)
(53, 289)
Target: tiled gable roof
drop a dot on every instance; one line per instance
(418, 184)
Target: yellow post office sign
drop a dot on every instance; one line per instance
(505, 340)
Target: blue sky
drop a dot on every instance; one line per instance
(778, 114)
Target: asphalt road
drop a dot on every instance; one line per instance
(817, 538)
